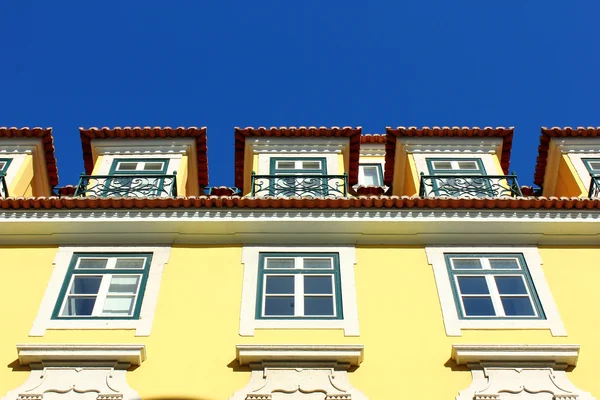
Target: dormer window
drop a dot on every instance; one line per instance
(370, 175)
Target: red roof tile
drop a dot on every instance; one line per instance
(242, 133)
(199, 134)
(47, 142)
(461, 132)
(555, 132)
(373, 138)
(386, 202)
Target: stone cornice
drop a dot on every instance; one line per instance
(78, 354)
(338, 355)
(510, 354)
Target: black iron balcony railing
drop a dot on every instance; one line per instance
(469, 186)
(127, 185)
(594, 187)
(3, 187)
(309, 185)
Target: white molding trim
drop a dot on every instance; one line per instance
(372, 150)
(13, 148)
(451, 145)
(248, 321)
(143, 325)
(131, 354)
(331, 161)
(348, 355)
(486, 159)
(143, 147)
(297, 144)
(501, 371)
(566, 354)
(453, 324)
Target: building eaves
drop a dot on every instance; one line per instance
(547, 135)
(45, 134)
(198, 134)
(353, 134)
(459, 132)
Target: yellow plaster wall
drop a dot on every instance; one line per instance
(183, 186)
(411, 177)
(568, 182)
(22, 181)
(97, 165)
(192, 346)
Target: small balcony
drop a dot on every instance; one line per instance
(3, 186)
(300, 185)
(469, 186)
(594, 187)
(138, 185)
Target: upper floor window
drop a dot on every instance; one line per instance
(593, 167)
(4, 163)
(130, 177)
(370, 175)
(298, 176)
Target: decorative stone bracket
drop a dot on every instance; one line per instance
(96, 371)
(512, 371)
(315, 371)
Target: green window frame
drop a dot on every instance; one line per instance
(299, 286)
(452, 185)
(378, 167)
(589, 164)
(98, 285)
(493, 286)
(4, 164)
(290, 186)
(150, 187)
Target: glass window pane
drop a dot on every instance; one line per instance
(287, 263)
(466, 263)
(311, 164)
(504, 263)
(153, 166)
(279, 305)
(478, 306)
(280, 285)
(473, 285)
(85, 285)
(78, 306)
(370, 175)
(2, 165)
(470, 165)
(517, 306)
(286, 164)
(594, 165)
(118, 305)
(441, 165)
(92, 263)
(318, 263)
(510, 285)
(318, 305)
(130, 263)
(127, 166)
(123, 284)
(318, 284)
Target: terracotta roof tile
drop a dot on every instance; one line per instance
(555, 132)
(241, 134)
(360, 202)
(47, 141)
(374, 138)
(199, 134)
(462, 132)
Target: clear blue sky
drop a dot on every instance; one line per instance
(221, 64)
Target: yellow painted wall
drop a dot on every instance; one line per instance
(192, 345)
(183, 186)
(568, 182)
(20, 186)
(411, 178)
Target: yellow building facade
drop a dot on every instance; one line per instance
(342, 266)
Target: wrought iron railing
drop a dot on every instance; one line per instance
(309, 185)
(469, 186)
(594, 187)
(3, 187)
(127, 185)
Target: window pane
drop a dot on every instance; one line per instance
(118, 305)
(466, 263)
(153, 166)
(478, 306)
(504, 263)
(510, 285)
(279, 305)
(92, 263)
(318, 284)
(127, 166)
(471, 165)
(2, 165)
(517, 306)
(286, 164)
(123, 284)
(85, 285)
(472, 285)
(594, 165)
(130, 263)
(79, 306)
(441, 165)
(317, 263)
(370, 175)
(280, 263)
(311, 164)
(318, 305)
(280, 285)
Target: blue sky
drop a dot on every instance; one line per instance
(222, 64)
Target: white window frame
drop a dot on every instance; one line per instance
(454, 325)
(581, 168)
(64, 255)
(486, 159)
(361, 173)
(248, 320)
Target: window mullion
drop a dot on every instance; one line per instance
(299, 295)
(496, 300)
(101, 296)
